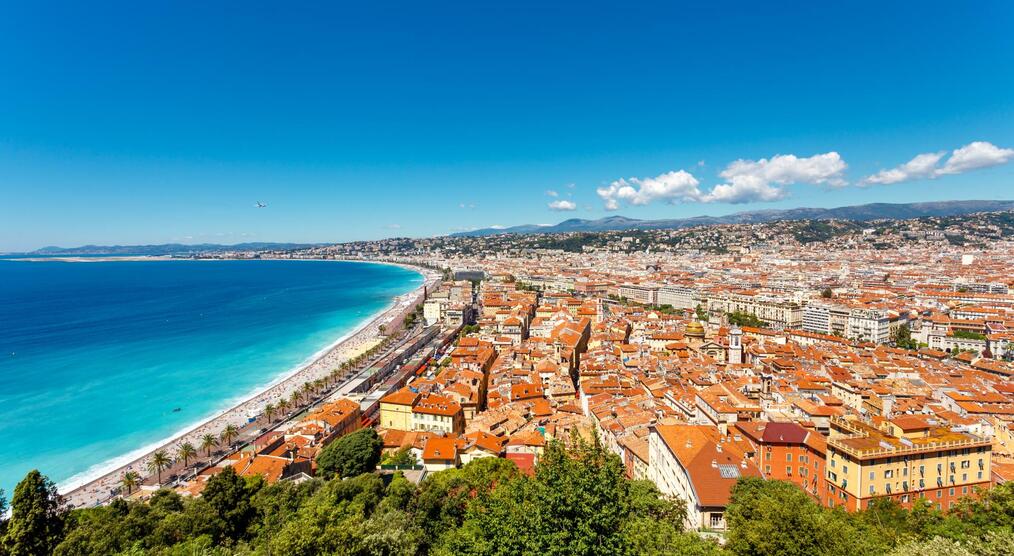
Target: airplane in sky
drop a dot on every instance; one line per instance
(261, 205)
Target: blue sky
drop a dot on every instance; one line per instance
(150, 122)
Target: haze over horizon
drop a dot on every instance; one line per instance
(166, 124)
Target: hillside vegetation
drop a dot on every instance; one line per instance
(578, 502)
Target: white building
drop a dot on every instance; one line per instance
(680, 297)
(869, 325)
(778, 313)
(433, 310)
(640, 293)
(698, 465)
(817, 318)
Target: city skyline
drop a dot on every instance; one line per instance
(168, 124)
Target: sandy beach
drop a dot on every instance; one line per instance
(94, 487)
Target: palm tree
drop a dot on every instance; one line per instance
(130, 481)
(283, 405)
(229, 434)
(208, 441)
(295, 398)
(186, 451)
(269, 411)
(158, 462)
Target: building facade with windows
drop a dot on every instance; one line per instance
(679, 297)
(778, 313)
(869, 325)
(700, 466)
(910, 458)
(640, 293)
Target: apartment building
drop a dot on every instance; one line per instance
(869, 325)
(396, 409)
(680, 297)
(698, 465)
(434, 307)
(911, 457)
(950, 343)
(825, 318)
(440, 414)
(787, 452)
(640, 293)
(444, 310)
(779, 314)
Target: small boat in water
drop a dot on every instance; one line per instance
(177, 410)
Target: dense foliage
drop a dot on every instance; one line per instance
(968, 335)
(903, 339)
(577, 502)
(740, 318)
(37, 522)
(776, 517)
(351, 455)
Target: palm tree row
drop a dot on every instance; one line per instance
(311, 390)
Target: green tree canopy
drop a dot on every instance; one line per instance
(401, 457)
(777, 517)
(350, 455)
(37, 517)
(902, 338)
(228, 495)
(578, 502)
(3, 515)
(739, 318)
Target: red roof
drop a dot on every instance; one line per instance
(525, 462)
(440, 448)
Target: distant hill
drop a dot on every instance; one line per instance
(874, 211)
(167, 249)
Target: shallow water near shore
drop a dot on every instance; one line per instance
(98, 360)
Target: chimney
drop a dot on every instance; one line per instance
(714, 463)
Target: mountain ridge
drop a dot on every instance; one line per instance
(870, 211)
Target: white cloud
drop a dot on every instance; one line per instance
(922, 166)
(975, 155)
(393, 226)
(746, 181)
(552, 193)
(562, 205)
(671, 187)
(497, 227)
(762, 180)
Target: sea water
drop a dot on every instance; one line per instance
(101, 359)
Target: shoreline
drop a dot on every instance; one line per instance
(92, 486)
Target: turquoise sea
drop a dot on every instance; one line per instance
(95, 356)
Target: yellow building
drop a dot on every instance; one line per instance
(396, 410)
(910, 457)
(440, 414)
